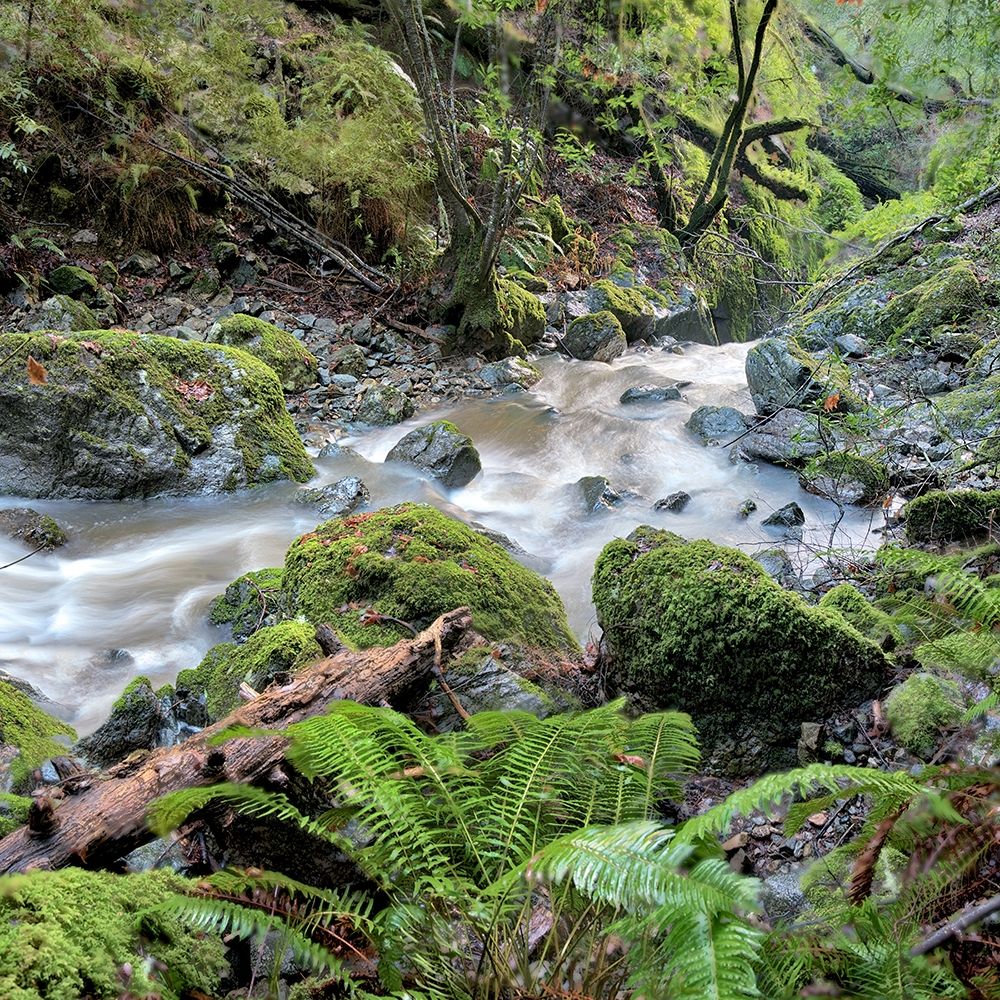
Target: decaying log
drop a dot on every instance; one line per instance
(107, 820)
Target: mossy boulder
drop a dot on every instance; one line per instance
(136, 722)
(413, 563)
(502, 322)
(250, 603)
(384, 405)
(68, 934)
(920, 709)
(633, 309)
(266, 656)
(846, 477)
(703, 628)
(279, 350)
(123, 415)
(781, 374)
(595, 337)
(31, 527)
(72, 281)
(510, 371)
(29, 735)
(950, 296)
(872, 622)
(61, 312)
(943, 516)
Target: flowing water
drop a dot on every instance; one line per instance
(129, 594)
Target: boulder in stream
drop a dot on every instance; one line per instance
(31, 527)
(675, 502)
(121, 415)
(650, 394)
(717, 424)
(336, 499)
(136, 722)
(789, 516)
(510, 371)
(440, 449)
(384, 405)
(598, 493)
(595, 337)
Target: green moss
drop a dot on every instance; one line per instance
(528, 281)
(629, 306)
(282, 648)
(950, 516)
(73, 281)
(702, 628)
(13, 812)
(839, 202)
(124, 701)
(251, 602)
(919, 710)
(414, 563)
(31, 731)
(872, 622)
(278, 349)
(149, 385)
(67, 934)
(855, 478)
(950, 296)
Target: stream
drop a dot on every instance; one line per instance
(129, 593)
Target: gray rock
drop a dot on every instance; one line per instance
(851, 345)
(782, 897)
(336, 499)
(777, 565)
(789, 516)
(62, 313)
(384, 405)
(510, 371)
(136, 721)
(779, 376)
(717, 424)
(598, 494)
(649, 394)
(349, 359)
(787, 438)
(689, 319)
(674, 501)
(595, 337)
(442, 450)
(141, 263)
(29, 526)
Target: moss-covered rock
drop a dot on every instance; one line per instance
(13, 812)
(32, 733)
(250, 603)
(66, 935)
(123, 415)
(949, 296)
(633, 309)
(872, 622)
(781, 374)
(702, 628)
(846, 477)
(413, 563)
(951, 516)
(384, 405)
(595, 337)
(136, 722)
(31, 527)
(278, 349)
(441, 450)
(920, 709)
(72, 281)
(501, 322)
(266, 655)
(61, 312)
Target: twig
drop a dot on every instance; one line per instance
(957, 924)
(41, 548)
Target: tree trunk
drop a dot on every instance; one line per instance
(107, 819)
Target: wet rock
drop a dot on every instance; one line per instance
(851, 345)
(780, 374)
(674, 502)
(650, 394)
(689, 319)
(777, 565)
(442, 450)
(595, 337)
(384, 405)
(62, 313)
(747, 507)
(278, 349)
(349, 359)
(336, 499)
(136, 721)
(717, 424)
(787, 438)
(122, 416)
(631, 306)
(251, 602)
(72, 281)
(789, 516)
(598, 493)
(29, 526)
(510, 371)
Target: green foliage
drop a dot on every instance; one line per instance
(34, 734)
(67, 934)
(457, 832)
(699, 627)
(872, 622)
(839, 202)
(920, 709)
(414, 563)
(949, 516)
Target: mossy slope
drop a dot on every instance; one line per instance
(31, 731)
(122, 415)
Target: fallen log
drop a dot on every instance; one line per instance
(107, 819)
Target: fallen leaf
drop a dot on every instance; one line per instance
(831, 402)
(818, 819)
(93, 346)
(37, 375)
(631, 758)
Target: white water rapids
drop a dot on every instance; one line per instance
(139, 577)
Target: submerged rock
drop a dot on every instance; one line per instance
(702, 628)
(29, 526)
(595, 337)
(442, 450)
(124, 416)
(650, 394)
